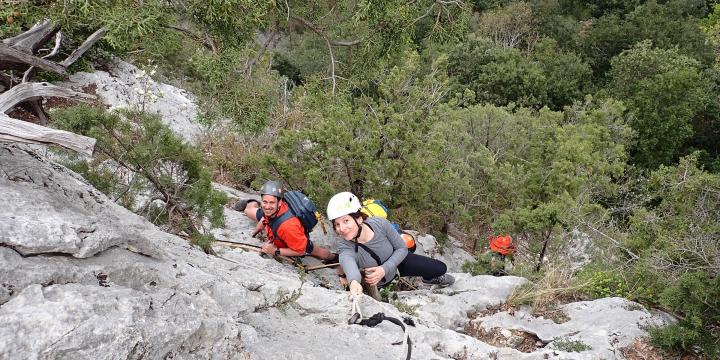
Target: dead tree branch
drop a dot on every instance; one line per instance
(21, 53)
(31, 40)
(11, 57)
(53, 52)
(23, 131)
(89, 42)
(27, 91)
(207, 42)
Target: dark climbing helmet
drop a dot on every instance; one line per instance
(273, 188)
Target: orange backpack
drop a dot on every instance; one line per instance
(502, 244)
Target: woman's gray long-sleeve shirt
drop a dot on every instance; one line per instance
(386, 243)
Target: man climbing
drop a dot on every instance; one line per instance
(291, 238)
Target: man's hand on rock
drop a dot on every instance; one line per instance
(269, 249)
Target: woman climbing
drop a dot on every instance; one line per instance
(371, 245)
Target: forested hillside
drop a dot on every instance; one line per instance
(542, 119)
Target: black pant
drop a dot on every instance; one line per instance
(418, 265)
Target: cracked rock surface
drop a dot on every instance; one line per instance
(84, 278)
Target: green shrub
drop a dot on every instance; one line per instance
(676, 239)
(674, 336)
(137, 154)
(697, 297)
(565, 344)
(602, 284)
(487, 263)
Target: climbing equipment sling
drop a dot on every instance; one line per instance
(376, 319)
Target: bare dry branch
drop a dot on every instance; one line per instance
(31, 40)
(27, 91)
(10, 56)
(89, 42)
(53, 52)
(207, 42)
(22, 131)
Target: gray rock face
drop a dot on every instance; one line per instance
(126, 86)
(451, 307)
(601, 326)
(83, 278)
(453, 256)
(68, 222)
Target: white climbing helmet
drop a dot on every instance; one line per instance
(343, 203)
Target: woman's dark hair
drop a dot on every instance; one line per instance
(356, 215)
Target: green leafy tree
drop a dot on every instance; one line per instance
(373, 146)
(676, 240)
(555, 165)
(568, 77)
(231, 22)
(152, 162)
(706, 124)
(668, 25)
(598, 8)
(503, 76)
(531, 173)
(663, 89)
(711, 26)
(561, 22)
(482, 5)
(497, 75)
(349, 42)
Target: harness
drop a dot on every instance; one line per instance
(357, 319)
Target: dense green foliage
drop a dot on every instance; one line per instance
(678, 240)
(664, 90)
(533, 117)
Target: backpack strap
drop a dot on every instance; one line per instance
(276, 222)
(372, 253)
(367, 249)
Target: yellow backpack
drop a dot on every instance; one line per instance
(373, 207)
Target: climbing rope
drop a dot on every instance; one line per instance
(376, 319)
(355, 311)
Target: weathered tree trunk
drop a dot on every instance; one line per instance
(20, 53)
(30, 91)
(22, 131)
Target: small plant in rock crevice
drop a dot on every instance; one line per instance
(569, 345)
(406, 308)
